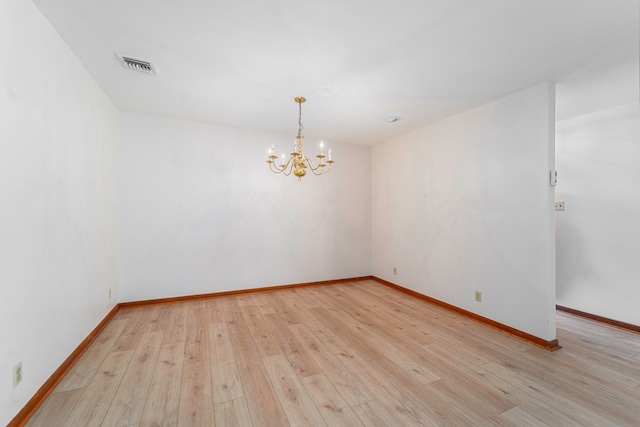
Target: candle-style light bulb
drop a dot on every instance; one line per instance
(282, 159)
(329, 153)
(321, 146)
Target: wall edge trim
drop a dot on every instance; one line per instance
(170, 300)
(630, 327)
(552, 345)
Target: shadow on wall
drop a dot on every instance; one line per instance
(567, 284)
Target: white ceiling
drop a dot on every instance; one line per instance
(240, 63)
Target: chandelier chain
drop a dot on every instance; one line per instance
(299, 118)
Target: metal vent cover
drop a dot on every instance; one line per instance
(137, 64)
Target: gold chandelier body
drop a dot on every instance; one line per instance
(298, 163)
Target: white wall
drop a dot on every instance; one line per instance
(200, 212)
(598, 153)
(599, 232)
(465, 205)
(57, 202)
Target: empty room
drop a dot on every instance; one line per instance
(279, 213)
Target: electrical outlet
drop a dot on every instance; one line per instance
(478, 296)
(395, 270)
(559, 206)
(17, 374)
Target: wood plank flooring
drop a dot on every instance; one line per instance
(353, 354)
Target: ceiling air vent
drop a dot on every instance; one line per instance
(137, 64)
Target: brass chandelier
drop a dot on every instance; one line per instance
(298, 163)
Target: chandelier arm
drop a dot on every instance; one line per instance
(325, 168)
(290, 161)
(284, 171)
(316, 173)
(318, 170)
(279, 169)
(320, 165)
(273, 168)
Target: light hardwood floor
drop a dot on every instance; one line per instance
(354, 354)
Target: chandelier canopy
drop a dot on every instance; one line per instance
(298, 163)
